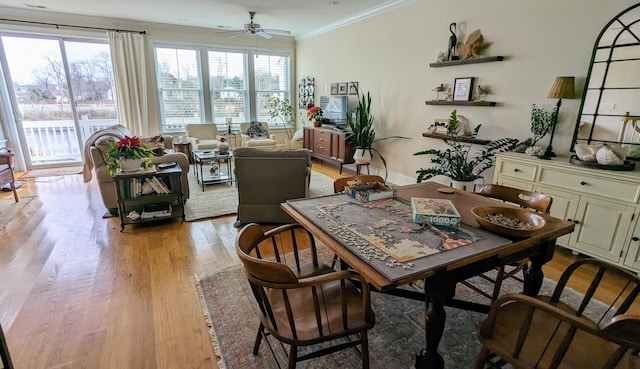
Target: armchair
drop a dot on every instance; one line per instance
(303, 304)
(267, 178)
(6, 171)
(97, 145)
(256, 134)
(203, 136)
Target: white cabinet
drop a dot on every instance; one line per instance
(603, 204)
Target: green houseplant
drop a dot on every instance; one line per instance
(457, 161)
(363, 133)
(128, 148)
(280, 109)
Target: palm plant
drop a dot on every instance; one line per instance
(457, 163)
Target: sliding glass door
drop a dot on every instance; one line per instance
(62, 92)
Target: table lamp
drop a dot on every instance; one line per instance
(229, 122)
(562, 89)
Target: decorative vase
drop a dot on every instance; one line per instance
(131, 165)
(362, 156)
(316, 123)
(468, 186)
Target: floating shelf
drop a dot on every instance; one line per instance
(461, 139)
(485, 59)
(464, 103)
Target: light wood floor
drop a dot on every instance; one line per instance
(77, 293)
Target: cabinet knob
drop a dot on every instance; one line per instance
(583, 183)
(576, 222)
(635, 239)
(516, 170)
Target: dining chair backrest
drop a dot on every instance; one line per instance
(339, 183)
(524, 198)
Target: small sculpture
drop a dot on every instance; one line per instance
(534, 151)
(453, 41)
(586, 152)
(214, 168)
(442, 57)
(133, 215)
(448, 95)
(223, 147)
(607, 155)
(482, 92)
(439, 89)
(473, 46)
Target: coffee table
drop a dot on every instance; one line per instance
(204, 157)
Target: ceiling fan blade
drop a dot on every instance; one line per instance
(281, 31)
(263, 34)
(237, 34)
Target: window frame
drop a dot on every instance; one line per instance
(207, 112)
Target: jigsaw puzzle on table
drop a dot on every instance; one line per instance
(383, 233)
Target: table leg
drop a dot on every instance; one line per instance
(437, 293)
(533, 275)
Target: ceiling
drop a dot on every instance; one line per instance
(301, 17)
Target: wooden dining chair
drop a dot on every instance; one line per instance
(5, 358)
(301, 301)
(339, 183)
(525, 199)
(564, 330)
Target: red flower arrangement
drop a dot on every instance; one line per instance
(314, 113)
(127, 148)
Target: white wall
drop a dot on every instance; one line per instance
(389, 56)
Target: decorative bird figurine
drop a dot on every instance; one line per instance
(439, 89)
(482, 91)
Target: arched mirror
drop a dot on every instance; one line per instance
(612, 88)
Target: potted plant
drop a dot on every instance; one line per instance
(541, 125)
(457, 162)
(363, 133)
(280, 109)
(313, 114)
(128, 154)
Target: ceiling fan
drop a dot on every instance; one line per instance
(254, 29)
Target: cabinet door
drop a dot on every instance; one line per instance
(564, 206)
(632, 259)
(604, 227)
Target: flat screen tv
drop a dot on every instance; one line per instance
(334, 110)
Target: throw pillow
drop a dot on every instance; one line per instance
(257, 131)
(299, 135)
(154, 143)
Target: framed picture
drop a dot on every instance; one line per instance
(342, 88)
(334, 88)
(462, 89)
(353, 88)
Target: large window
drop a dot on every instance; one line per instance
(238, 85)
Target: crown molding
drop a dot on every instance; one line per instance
(389, 5)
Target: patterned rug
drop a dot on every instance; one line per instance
(9, 208)
(222, 199)
(52, 172)
(393, 342)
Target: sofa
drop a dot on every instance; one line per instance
(94, 164)
(267, 178)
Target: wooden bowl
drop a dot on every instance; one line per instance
(525, 216)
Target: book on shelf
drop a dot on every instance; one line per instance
(163, 184)
(156, 210)
(153, 185)
(435, 211)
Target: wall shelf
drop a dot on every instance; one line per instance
(461, 139)
(485, 59)
(462, 103)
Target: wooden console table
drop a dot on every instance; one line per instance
(328, 145)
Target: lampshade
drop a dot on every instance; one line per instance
(562, 88)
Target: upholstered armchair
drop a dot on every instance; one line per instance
(97, 145)
(267, 178)
(203, 136)
(257, 135)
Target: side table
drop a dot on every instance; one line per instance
(184, 147)
(234, 134)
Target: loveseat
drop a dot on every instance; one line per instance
(97, 145)
(267, 178)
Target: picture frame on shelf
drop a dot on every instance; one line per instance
(353, 88)
(342, 88)
(334, 88)
(463, 89)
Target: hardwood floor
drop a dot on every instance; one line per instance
(77, 293)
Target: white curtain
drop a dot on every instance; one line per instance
(130, 75)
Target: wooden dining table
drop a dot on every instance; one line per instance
(441, 278)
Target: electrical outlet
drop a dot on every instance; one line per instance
(607, 106)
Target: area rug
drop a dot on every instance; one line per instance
(222, 199)
(9, 208)
(229, 306)
(52, 172)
